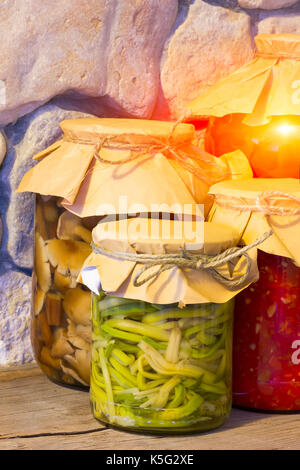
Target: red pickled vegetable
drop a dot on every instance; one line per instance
(266, 351)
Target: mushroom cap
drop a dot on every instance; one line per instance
(77, 306)
(41, 265)
(66, 225)
(63, 283)
(75, 335)
(80, 363)
(70, 228)
(69, 372)
(67, 256)
(61, 346)
(39, 299)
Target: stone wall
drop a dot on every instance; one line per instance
(134, 58)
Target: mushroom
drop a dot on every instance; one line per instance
(53, 309)
(38, 300)
(50, 211)
(41, 265)
(68, 371)
(74, 337)
(67, 256)
(46, 358)
(85, 332)
(77, 305)
(61, 346)
(63, 283)
(70, 228)
(40, 223)
(45, 329)
(80, 362)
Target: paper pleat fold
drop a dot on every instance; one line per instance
(253, 224)
(267, 86)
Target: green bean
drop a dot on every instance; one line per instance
(172, 314)
(124, 371)
(129, 348)
(163, 395)
(110, 302)
(218, 388)
(122, 357)
(120, 334)
(201, 326)
(221, 367)
(164, 367)
(137, 327)
(206, 339)
(127, 310)
(109, 349)
(172, 352)
(119, 378)
(155, 344)
(148, 375)
(178, 397)
(108, 387)
(209, 352)
(182, 411)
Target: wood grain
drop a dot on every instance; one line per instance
(37, 414)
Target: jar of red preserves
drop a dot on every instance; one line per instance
(266, 351)
(266, 358)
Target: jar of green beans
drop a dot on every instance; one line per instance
(161, 368)
(162, 314)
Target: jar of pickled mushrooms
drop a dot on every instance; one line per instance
(162, 324)
(61, 319)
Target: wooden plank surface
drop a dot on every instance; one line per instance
(37, 414)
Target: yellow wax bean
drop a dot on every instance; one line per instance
(124, 371)
(148, 375)
(122, 357)
(168, 325)
(172, 351)
(139, 328)
(163, 395)
(178, 397)
(164, 367)
(174, 313)
(182, 411)
(218, 388)
(108, 387)
(119, 378)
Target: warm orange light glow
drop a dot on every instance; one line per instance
(285, 129)
(273, 149)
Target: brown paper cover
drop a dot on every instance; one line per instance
(267, 86)
(187, 286)
(251, 224)
(89, 186)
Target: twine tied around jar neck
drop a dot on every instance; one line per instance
(157, 145)
(264, 203)
(187, 260)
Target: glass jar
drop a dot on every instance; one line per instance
(272, 149)
(266, 344)
(266, 351)
(160, 368)
(61, 308)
